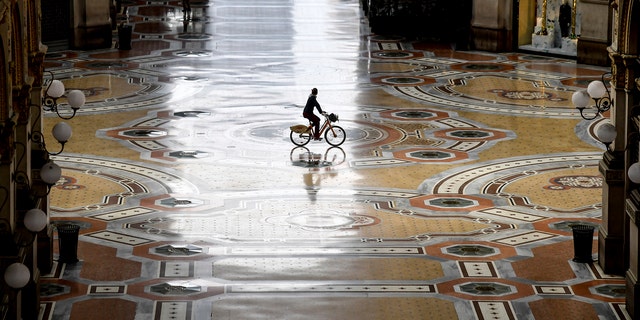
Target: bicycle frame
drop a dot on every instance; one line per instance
(325, 125)
(334, 135)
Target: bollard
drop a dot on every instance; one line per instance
(582, 243)
(68, 242)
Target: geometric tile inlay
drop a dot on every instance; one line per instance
(149, 145)
(176, 202)
(567, 182)
(188, 154)
(376, 162)
(45, 310)
(414, 114)
(610, 290)
(192, 114)
(597, 272)
(392, 54)
(50, 289)
(271, 236)
(486, 288)
(524, 238)
(477, 269)
(385, 193)
(171, 182)
(507, 213)
(120, 214)
(324, 250)
(468, 134)
(175, 288)
(459, 203)
(174, 310)
(107, 289)
(403, 80)
(145, 133)
(320, 220)
(429, 155)
(270, 222)
(179, 203)
(554, 290)
(620, 310)
(471, 251)
(452, 203)
(458, 180)
(176, 269)
(119, 238)
(296, 269)
(424, 288)
(57, 270)
(493, 310)
(178, 250)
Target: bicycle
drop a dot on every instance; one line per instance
(334, 135)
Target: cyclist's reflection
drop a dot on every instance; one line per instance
(320, 166)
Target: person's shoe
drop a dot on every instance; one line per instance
(317, 139)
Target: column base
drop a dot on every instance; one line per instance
(610, 249)
(45, 250)
(633, 295)
(91, 38)
(593, 52)
(492, 40)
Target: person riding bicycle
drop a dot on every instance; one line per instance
(308, 112)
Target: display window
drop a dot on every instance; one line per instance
(551, 26)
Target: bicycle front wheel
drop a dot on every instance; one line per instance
(300, 139)
(335, 136)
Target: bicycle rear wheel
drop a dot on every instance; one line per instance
(335, 136)
(300, 139)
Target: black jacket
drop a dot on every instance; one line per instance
(311, 103)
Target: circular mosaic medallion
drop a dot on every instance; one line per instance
(568, 182)
(321, 220)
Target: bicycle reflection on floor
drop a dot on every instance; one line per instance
(320, 166)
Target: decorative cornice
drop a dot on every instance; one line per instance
(4, 12)
(628, 64)
(6, 140)
(21, 97)
(36, 61)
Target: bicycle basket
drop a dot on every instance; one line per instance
(333, 117)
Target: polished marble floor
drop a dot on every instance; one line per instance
(453, 196)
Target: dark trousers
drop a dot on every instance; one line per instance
(316, 123)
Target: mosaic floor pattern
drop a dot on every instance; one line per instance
(452, 198)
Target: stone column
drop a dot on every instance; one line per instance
(91, 24)
(491, 25)
(631, 276)
(611, 234)
(632, 202)
(612, 249)
(595, 32)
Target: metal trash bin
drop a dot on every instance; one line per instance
(68, 242)
(124, 36)
(582, 242)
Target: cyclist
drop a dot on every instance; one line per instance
(308, 113)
